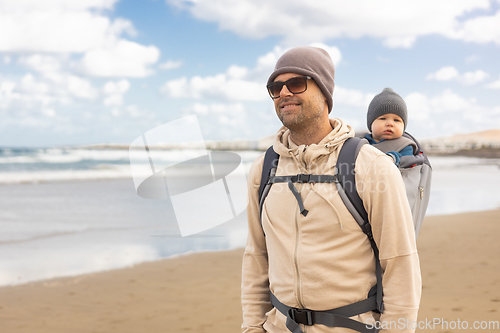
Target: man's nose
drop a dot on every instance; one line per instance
(285, 92)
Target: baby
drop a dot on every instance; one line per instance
(387, 118)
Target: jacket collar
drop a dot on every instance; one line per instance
(284, 145)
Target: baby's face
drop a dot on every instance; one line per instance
(386, 127)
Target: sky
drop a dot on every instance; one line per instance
(78, 72)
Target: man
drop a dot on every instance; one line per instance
(317, 257)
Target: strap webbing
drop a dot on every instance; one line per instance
(345, 169)
(302, 178)
(297, 196)
(338, 317)
(269, 167)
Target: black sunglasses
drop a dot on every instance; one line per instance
(295, 85)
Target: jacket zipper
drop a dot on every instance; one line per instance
(296, 254)
(295, 258)
(296, 262)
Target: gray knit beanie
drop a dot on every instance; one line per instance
(386, 102)
(311, 61)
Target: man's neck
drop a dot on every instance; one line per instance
(309, 136)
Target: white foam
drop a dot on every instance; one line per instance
(104, 172)
(77, 155)
(54, 262)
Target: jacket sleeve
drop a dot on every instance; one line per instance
(255, 297)
(385, 201)
(406, 151)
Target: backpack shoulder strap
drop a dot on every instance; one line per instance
(346, 187)
(347, 183)
(268, 170)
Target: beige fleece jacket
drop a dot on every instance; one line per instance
(323, 260)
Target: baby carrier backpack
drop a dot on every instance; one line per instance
(416, 172)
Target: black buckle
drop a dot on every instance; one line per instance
(336, 178)
(367, 228)
(302, 316)
(303, 178)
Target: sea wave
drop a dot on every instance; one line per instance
(39, 165)
(98, 173)
(74, 155)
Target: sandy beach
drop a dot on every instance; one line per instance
(201, 292)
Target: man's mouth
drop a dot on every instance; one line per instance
(288, 106)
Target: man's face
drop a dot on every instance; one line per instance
(386, 127)
(298, 110)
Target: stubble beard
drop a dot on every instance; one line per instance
(309, 114)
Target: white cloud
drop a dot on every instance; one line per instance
(135, 112)
(477, 76)
(351, 97)
(49, 112)
(74, 27)
(44, 64)
(7, 93)
(31, 97)
(220, 119)
(81, 88)
(418, 106)
(238, 83)
(123, 59)
(7, 5)
(114, 92)
(118, 87)
(333, 51)
(449, 73)
(483, 29)
(448, 101)
(444, 74)
(237, 72)
(422, 107)
(170, 64)
(397, 23)
(494, 85)
(448, 113)
(57, 80)
(220, 86)
(31, 86)
(57, 30)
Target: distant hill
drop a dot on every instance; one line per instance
(481, 144)
(492, 135)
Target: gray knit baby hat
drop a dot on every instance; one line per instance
(311, 61)
(386, 102)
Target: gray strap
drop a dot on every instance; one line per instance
(304, 178)
(292, 188)
(396, 145)
(338, 317)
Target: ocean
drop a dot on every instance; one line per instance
(74, 210)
